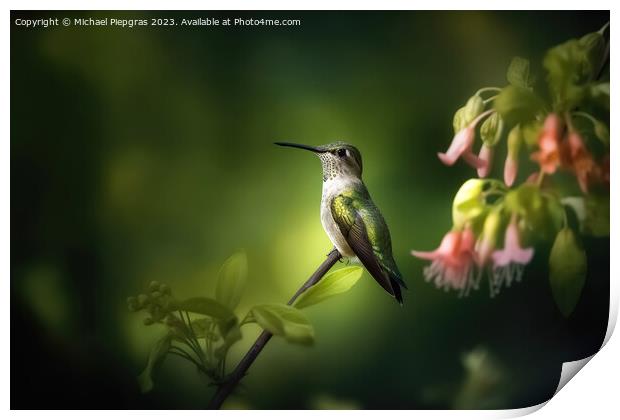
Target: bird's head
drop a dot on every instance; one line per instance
(337, 159)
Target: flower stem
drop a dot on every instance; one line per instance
(541, 177)
(229, 384)
(586, 116)
(488, 89)
(486, 101)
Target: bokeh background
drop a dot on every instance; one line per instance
(146, 154)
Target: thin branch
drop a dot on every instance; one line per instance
(226, 388)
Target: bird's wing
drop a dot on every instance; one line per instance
(354, 230)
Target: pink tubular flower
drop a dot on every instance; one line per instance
(486, 156)
(452, 264)
(508, 263)
(548, 154)
(510, 170)
(581, 160)
(462, 143)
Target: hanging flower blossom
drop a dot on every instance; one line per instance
(462, 144)
(508, 263)
(486, 156)
(581, 161)
(548, 155)
(452, 264)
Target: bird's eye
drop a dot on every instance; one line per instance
(342, 152)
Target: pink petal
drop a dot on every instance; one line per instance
(522, 255)
(511, 240)
(486, 155)
(500, 258)
(510, 170)
(552, 125)
(426, 255)
(448, 248)
(468, 240)
(461, 142)
(512, 251)
(473, 160)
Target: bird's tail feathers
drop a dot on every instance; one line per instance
(396, 283)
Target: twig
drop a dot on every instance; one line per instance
(227, 387)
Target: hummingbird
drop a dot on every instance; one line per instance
(350, 218)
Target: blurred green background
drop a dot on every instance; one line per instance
(146, 154)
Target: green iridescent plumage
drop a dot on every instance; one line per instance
(364, 228)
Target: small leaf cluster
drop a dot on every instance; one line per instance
(202, 329)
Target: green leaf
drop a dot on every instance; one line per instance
(566, 73)
(593, 47)
(567, 270)
(285, 321)
(517, 105)
(519, 73)
(231, 280)
(596, 221)
(334, 283)
(491, 129)
(203, 306)
(156, 357)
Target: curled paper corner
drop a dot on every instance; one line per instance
(569, 370)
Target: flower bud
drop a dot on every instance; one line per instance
(458, 121)
(473, 108)
(511, 165)
(491, 129)
(153, 286)
(488, 240)
(486, 156)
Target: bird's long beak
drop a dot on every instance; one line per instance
(315, 149)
